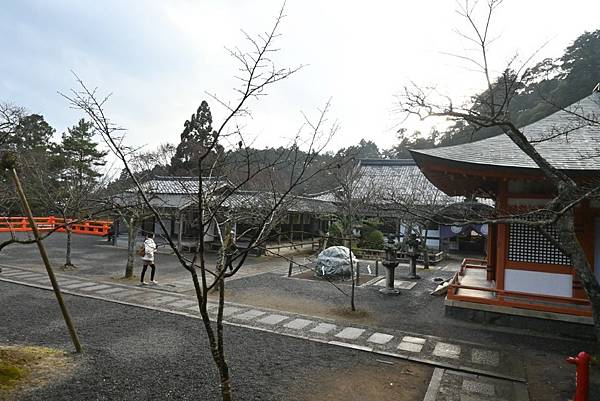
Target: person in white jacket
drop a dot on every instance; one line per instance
(148, 258)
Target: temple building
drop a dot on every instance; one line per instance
(301, 221)
(398, 194)
(524, 274)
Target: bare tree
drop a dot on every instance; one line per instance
(354, 198)
(73, 201)
(257, 73)
(130, 209)
(125, 202)
(490, 109)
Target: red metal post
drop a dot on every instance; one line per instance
(582, 377)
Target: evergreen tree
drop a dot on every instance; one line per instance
(363, 150)
(197, 139)
(31, 133)
(550, 84)
(411, 141)
(79, 155)
(65, 182)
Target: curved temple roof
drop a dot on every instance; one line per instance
(569, 139)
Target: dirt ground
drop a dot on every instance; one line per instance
(310, 275)
(382, 380)
(306, 307)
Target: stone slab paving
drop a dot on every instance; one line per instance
(95, 287)
(46, 278)
(380, 338)
(400, 284)
(80, 285)
(229, 310)
(444, 353)
(298, 324)
(154, 300)
(65, 282)
(28, 275)
(446, 350)
(451, 385)
(350, 333)
(251, 314)
(323, 328)
(410, 347)
(484, 357)
(125, 294)
(11, 273)
(112, 290)
(183, 303)
(273, 319)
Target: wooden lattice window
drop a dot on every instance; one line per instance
(526, 244)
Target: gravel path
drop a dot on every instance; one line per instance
(138, 354)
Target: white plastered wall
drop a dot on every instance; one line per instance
(538, 282)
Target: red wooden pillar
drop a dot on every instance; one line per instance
(502, 235)
(491, 251)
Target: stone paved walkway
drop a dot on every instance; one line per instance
(449, 385)
(465, 358)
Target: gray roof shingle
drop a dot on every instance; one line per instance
(181, 192)
(569, 142)
(398, 179)
(182, 185)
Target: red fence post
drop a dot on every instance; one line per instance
(582, 375)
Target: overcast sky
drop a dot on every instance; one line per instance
(159, 58)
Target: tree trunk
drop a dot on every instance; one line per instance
(131, 233)
(572, 247)
(68, 262)
(352, 304)
(425, 257)
(425, 249)
(215, 339)
(222, 363)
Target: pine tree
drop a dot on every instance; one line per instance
(73, 174)
(197, 139)
(31, 133)
(80, 155)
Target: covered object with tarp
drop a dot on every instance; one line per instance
(335, 261)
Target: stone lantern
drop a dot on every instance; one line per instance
(390, 263)
(412, 251)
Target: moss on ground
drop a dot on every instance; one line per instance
(10, 374)
(23, 367)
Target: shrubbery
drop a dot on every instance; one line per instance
(372, 240)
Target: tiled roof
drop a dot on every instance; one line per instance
(181, 192)
(181, 185)
(400, 179)
(292, 203)
(566, 152)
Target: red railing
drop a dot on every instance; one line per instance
(515, 299)
(21, 224)
(471, 263)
